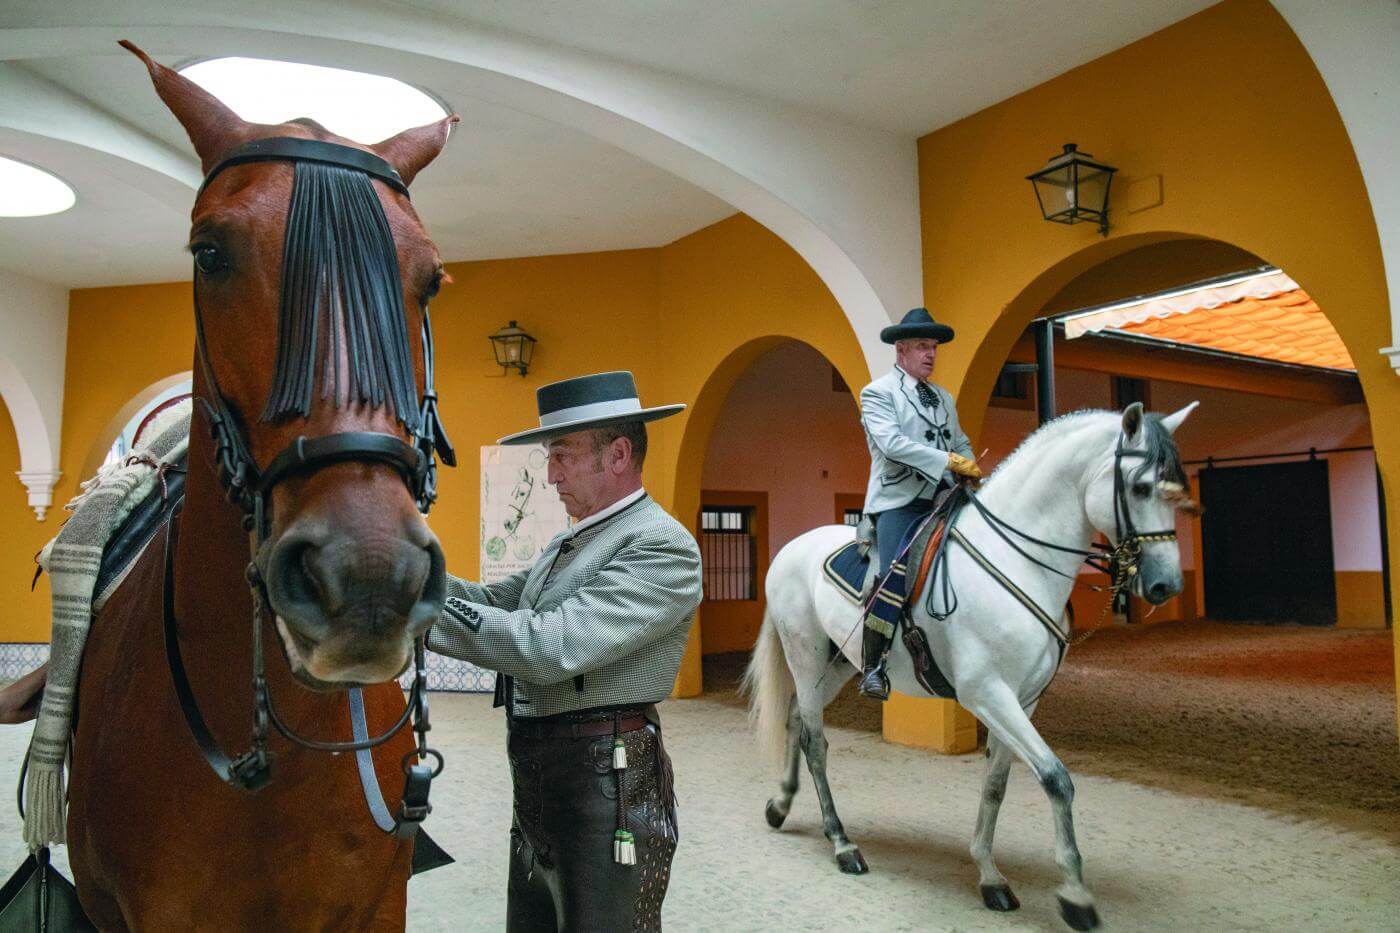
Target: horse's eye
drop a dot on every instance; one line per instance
(434, 286)
(208, 259)
(1142, 490)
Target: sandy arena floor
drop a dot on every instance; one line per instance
(1260, 791)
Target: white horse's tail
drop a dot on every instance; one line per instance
(770, 687)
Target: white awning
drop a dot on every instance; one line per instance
(1265, 285)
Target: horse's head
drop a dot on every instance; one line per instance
(1134, 500)
(311, 287)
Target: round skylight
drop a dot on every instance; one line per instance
(364, 107)
(26, 191)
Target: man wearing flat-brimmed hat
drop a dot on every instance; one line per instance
(915, 444)
(586, 642)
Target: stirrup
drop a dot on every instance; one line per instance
(875, 684)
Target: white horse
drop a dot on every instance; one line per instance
(1059, 487)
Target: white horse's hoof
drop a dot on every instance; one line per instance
(775, 813)
(999, 897)
(1079, 916)
(852, 862)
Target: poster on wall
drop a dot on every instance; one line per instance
(520, 511)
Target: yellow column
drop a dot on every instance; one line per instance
(690, 681)
(928, 722)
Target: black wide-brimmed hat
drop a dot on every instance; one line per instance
(918, 324)
(587, 402)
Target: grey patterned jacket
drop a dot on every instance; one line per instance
(601, 619)
(909, 442)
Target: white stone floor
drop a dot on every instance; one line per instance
(1156, 860)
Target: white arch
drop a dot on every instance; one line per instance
(34, 319)
(845, 197)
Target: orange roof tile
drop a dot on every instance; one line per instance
(1288, 327)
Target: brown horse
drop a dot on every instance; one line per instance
(351, 573)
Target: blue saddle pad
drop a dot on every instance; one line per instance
(847, 569)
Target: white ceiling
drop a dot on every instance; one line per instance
(909, 66)
(513, 184)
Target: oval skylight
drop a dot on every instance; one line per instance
(26, 191)
(364, 107)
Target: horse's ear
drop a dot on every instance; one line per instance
(1173, 421)
(410, 151)
(212, 127)
(1132, 420)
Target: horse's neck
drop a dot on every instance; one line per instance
(1041, 492)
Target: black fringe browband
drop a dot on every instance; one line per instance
(340, 286)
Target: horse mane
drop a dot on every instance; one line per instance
(1159, 449)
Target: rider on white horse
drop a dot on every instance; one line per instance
(915, 441)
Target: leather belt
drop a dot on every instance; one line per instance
(562, 729)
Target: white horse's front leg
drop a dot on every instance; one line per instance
(996, 892)
(997, 706)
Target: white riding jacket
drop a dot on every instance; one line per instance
(909, 443)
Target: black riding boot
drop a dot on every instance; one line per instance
(874, 683)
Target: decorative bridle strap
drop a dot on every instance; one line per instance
(293, 149)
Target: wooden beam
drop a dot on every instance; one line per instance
(1107, 355)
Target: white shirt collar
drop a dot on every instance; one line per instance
(608, 512)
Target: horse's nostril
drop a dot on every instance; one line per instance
(1158, 592)
(293, 574)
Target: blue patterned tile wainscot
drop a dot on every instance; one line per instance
(447, 674)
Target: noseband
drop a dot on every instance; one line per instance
(379, 372)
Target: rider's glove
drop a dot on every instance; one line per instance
(964, 466)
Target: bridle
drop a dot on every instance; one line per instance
(249, 488)
(1120, 558)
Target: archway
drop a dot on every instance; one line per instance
(37, 447)
(699, 428)
(786, 455)
(125, 415)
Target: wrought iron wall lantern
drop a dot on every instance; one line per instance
(513, 348)
(1073, 188)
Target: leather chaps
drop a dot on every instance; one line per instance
(562, 872)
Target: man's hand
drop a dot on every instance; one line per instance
(19, 702)
(964, 466)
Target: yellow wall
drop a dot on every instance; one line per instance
(1229, 110)
(685, 318)
(1360, 599)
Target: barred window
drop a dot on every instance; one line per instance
(728, 552)
(851, 516)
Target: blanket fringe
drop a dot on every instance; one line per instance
(46, 805)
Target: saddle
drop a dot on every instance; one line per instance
(850, 569)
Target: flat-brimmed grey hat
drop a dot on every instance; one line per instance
(587, 402)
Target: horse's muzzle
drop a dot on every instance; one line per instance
(349, 606)
(1158, 589)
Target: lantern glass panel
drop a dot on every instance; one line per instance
(1055, 189)
(1093, 189)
